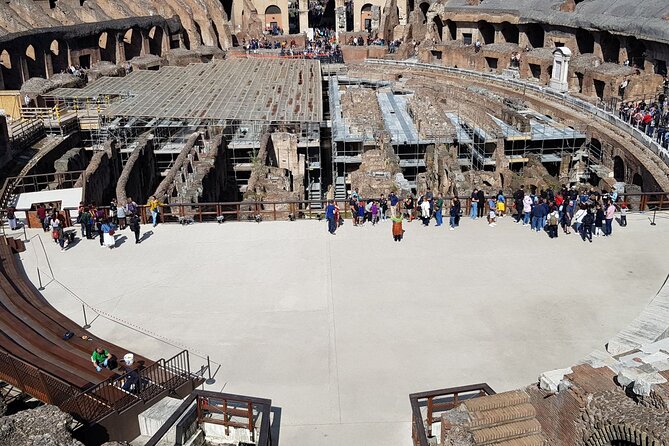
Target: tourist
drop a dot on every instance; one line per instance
(41, 215)
(454, 213)
(107, 228)
(501, 204)
(132, 381)
(599, 220)
(565, 218)
(527, 208)
(537, 217)
(578, 218)
(120, 217)
(112, 211)
(368, 210)
(383, 204)
(609, 214)
(130, 206)
(154, 207)
(481, 203)
(354, 210)
(11, 217)
(586, 225)
(86, 221)
(394, 200)
(361, 213)
(425, 214)
(408, 205)
(398, 232)
(474, 201)
(438, 208)
(518, 197)
(134, 226)
(623, 214)
(330, 217)
(375, 213)
(57, 230)
(101, 358)
(552, 224)
(98, 218)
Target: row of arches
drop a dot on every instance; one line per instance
(536, 36)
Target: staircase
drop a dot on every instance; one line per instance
(504, 419)
(340, 189)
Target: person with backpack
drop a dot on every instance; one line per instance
(134, 226)
(586, 225)
(553, 220)
(86, 221)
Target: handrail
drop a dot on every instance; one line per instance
(525, 85)
(453, 399)
(200, 397)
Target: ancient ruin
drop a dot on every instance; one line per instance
(254, 110)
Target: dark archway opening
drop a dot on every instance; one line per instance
(637, 180)
(585, 41)
(227, 7)
(452, 29)
(58, 53)
(106, 45)
(610, 48)
(618, 169)
(198, 34)
(411, 6)
(535, 34)
(294, 17)
(156, 40)
(132, 43)
(439, 25)
(510, 32)
(487, 32)
(636, 53)
(366, 17)
(599, 88)
(579, 77)
(424, 7)
(35, 62)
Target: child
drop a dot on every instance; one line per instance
(361, 213)
(623, 214)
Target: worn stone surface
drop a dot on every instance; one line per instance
(43, 426)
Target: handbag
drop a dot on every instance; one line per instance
(111, 232)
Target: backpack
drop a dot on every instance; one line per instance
(552, 220)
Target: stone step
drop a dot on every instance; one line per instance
(505, 432)
(497, 401)
(493, 417)
(531, 440)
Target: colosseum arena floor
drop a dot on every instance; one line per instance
(288, 313)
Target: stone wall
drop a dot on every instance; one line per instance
(139, 175)
(100, 177)
(73, 160)
(167, 187)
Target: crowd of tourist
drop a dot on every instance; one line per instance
(590, 213)
(652, 118)
(95, 222)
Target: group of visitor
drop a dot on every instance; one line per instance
(652, 118)
(589, 213)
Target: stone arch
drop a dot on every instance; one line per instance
(636, 52)
(273, 17)
(487, 32)
(107, 46)
(452, 29)
(132, 43)
(156, 35)
(510, 32)
(585, 41)
(637, 180)
(366, 17)
(34, 63)
(58, 53)
(535, 35)
(424, 7)
(619, 435)
(439, 26)
(610, 47)
(618, 168)
(228, 8)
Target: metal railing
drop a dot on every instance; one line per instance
(437, 401)
(155, 380)
(34, 381)
(225, 409)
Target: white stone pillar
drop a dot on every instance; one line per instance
(561, 58)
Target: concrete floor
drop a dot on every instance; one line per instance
(338, 330)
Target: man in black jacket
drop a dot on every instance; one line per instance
(518, 201)
(481, 209)
(134, 226)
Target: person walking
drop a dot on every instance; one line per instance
(553, 221)
(527, 208)
(134, 226)
(375, 212)
(107, 228)
(623, 214)
(398, 232)
(586, 225)
(41, 214)
(11, 217)
(330, 217)
(154, 207)
(57, 231)
(501, 204)
(599, 221)
(86, 220)
(453, 212)
(408, 205)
